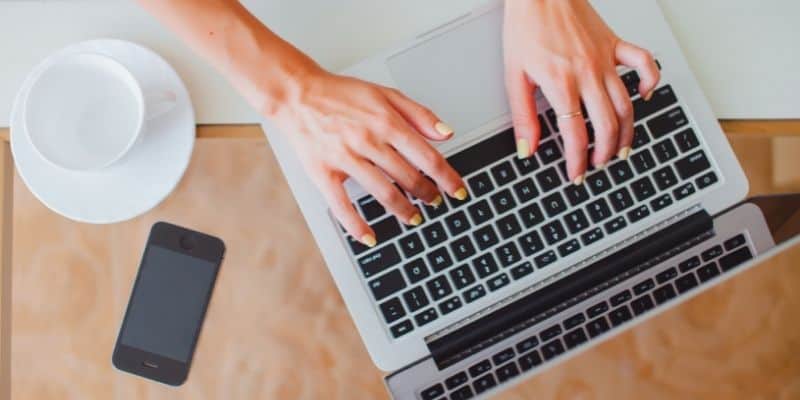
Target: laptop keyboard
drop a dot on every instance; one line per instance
(524, 215)
(594, 320)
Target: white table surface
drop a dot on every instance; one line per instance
(744, 53)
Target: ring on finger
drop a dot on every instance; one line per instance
(570, 115)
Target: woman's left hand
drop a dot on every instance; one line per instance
(565, 48)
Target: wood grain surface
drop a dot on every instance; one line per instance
(277, 328)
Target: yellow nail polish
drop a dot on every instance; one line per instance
(437, 201)
(648, 96)
(415, 220)
(624, 153)
(523, 148)
(600, 166)
(578, 180)
(460, 194)
(443, 129)
(369, 240)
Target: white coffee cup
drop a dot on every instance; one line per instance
(86, 111)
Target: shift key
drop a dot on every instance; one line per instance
(377, 261)
(692, 164)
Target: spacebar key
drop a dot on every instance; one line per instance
(481, 154)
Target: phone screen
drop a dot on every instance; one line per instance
(168, 303)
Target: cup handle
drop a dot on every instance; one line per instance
(159, 103)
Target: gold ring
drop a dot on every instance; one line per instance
(570, 115)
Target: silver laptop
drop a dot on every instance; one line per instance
(531, 269)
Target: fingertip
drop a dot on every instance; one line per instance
(523, 148)
(369, 240)
(444, 130)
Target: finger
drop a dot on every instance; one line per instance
(523, 112)
(375, 182)
(618, 95)
(644, 63)
(408, 177)
(562, 94)
(330, 185)
(418, 116)
(604, 120)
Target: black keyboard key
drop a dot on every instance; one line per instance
(503, 201)
(525, 190)
(597, 309)
(508, 226)
(433, 212)
(662, 98)
(402, 328)
(549, 152)
(480, 212)
(392, 310)
(387, 284)
(667, 122)
(480, 155)
(597, 327)
(640, 136)
(526, 165)
(574, 338)
(554, 204)
(370, 208)
(568, 247)
(544, 130)
(415, 299)
(521, 270)
(619, 315)
(439, 259)
(562, 166)
(527, 344)
(735, 259)
(598, 210)
(548, 179)
(686, 140)
(683, 191)
(457, 223)
(620, 298)
(643, 188)
(576, 221)
(642, 305)
(643, 161)
(685, 282)
(356, 246)
(485, 265)
(432, 392)
(450, 305)
(574, 321)
(386, 229)
(411, 244)
(665, 150)
(426, 317)
(689, 264)
(734, 242)
(416, 270)
(456, 380)
(591, 236)
(508, 254)
(615, 225)
(553, 232)
(706, 180)
(545, 259)
(455, 203)
(438, 287)
(484, 383)
(503, 173)
(707, 271)
(480, 184)
(530, 360)
(644, 286)
(666, 275)
(665, 178)
(638, 213)
(550, 333)
(507, 372)
(620, 199)
(498, 281)
(480, 368)
(620, 171)
(631, 82)
(530, 243)
(711, 253)
(598, 182)
(485, 237)
(462, 276)
(503, 356)
(462, 248)
(434, 234)
(576, 194)
(664, 293)
(474, 293)
(661, 202)
(552, 349)
(464, 393)
(692, 164)
(551, 116)
(531, 215)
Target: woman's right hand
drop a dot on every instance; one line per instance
(343, 128)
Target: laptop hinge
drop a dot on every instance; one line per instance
(588, 281)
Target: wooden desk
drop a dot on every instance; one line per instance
(277, 327)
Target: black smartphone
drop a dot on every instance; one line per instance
(168, 303)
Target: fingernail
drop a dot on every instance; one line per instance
(415, 220)
(523, 149)
(578, 180)
(600, 166)
(437, 201)
(624, 152)
(460, 194)
(443, 129)
(648, 96)
(369, 240)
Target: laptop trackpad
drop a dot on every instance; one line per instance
(457, 74)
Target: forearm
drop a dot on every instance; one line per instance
(264, 68)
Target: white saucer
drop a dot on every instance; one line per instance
(134, 184)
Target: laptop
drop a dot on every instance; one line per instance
(530, 269)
